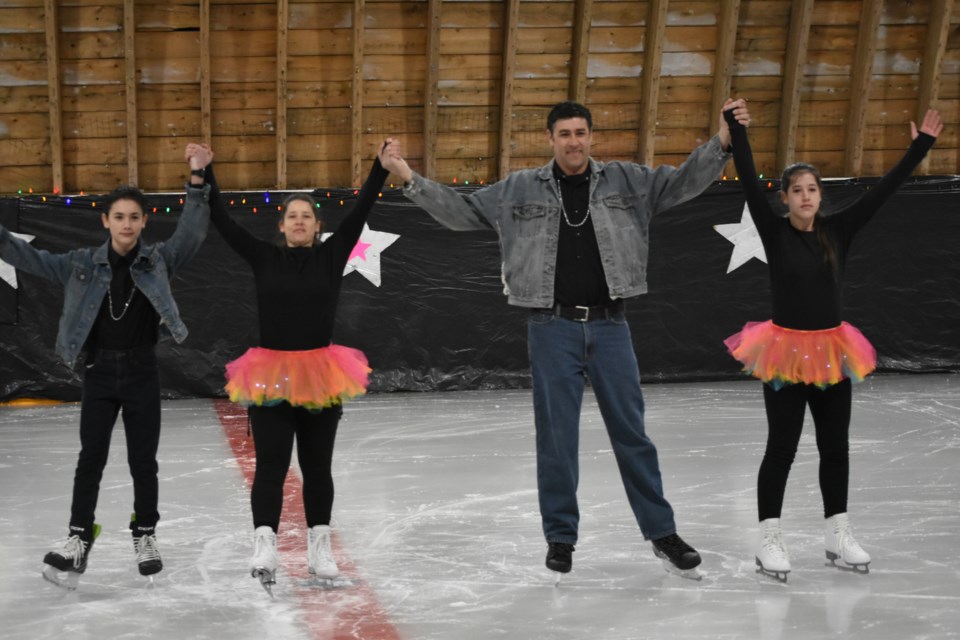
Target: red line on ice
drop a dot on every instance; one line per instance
(331, 614)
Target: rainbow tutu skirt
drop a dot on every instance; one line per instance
(314, 379)
(781, 356)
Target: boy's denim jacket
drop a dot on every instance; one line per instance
(524, 210)
(85, 274)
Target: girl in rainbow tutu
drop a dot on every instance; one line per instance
(296, 381)
(806, 355)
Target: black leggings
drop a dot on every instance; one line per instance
(830, 409)
(274, 429)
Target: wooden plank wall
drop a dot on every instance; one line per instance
(299, 93)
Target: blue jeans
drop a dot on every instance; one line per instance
(563, 354)
(116, 381)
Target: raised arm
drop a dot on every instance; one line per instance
(469, 212)
(352, 226)
(852, 218)
(21, 255)
(195, 217)
(764, 217)
(248, 246)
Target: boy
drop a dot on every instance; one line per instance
(115, 298)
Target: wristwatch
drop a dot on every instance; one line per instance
(197, 172)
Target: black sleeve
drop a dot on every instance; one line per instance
(764, 217)
(853, 218)
(348, 233)
(249, 247)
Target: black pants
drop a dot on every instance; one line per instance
(274, 429)
(116, 381)
(830, 409)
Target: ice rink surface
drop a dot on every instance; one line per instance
(438, 532)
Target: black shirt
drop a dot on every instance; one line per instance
(806, 288)
(580, 279)
(297, 288)
(126, 318)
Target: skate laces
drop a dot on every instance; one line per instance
(561, 550)
(75, 548)
(322, 552)
(773, 543)
(673, 543)
(147, 548)
(264, 544)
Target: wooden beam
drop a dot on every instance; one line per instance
(870, 13)
(52, 29)
(581, 50)
(431, 93)
(938, 28)
(356, 104)
(283, 19)
(206, 94)
(727, 23)
(511, 19)
(800, 19)
(650, 81)
(130, 89)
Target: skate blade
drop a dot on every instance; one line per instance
(779, 576)
(557, 577)
(862, 569)
(689, 574)
(267, 578)
(68, 580)
(327, 584)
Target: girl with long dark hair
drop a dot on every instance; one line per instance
(806, 355)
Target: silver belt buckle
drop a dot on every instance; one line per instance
(586, 314)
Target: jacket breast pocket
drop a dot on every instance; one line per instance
(82, 274)
(530, 219)
(623, 212)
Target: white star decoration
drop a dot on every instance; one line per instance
(365, 257)
(7, 273)
(745, 239)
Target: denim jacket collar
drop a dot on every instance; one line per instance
(545, 172)
(147, 253)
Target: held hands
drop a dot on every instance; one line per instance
(932, 125)
(198, 155)
(740, 113)
(391, 158)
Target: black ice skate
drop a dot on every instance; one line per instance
(65, 565)
(677, 556)
(559, 559)
(146, 549)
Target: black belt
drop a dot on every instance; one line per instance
(586, 314)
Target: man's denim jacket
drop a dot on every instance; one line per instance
(85, 274)
(524, 210)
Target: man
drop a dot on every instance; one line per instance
(116, 296)
(574, 237)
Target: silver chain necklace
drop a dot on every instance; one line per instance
(563, 209)
(133, 290)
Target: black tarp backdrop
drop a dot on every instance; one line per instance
(440, 320)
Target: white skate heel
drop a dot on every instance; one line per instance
(772, 558)
(840, 545)
(320, 560)
(263, 564)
